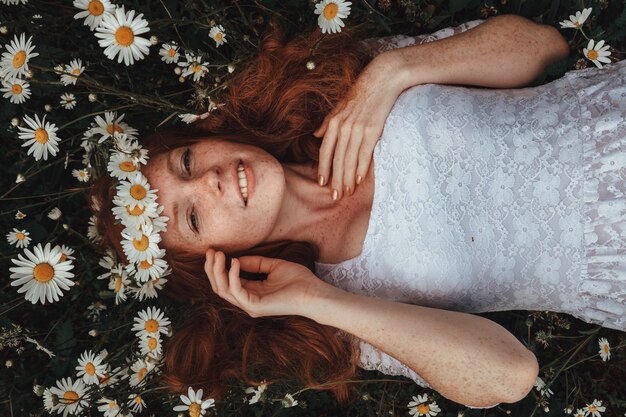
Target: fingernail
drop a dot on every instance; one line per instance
(347, 189)
(335, 193)
(321, 180)
(358, 179)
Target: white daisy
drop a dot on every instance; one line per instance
(92, 230)
(194, 404)
(136, 403)
(20, 178)
(81, 175)
(121, 166)
(41, 137)
(140, 370)
(75, 68)
(605, 349)
(54, 214)
(118, 34)
(258, 392)
(131, 148)
(422, 407)
(159, 223)
(288, 401)
(218, 35)
(136, 217)
(41, 275)
(331, 12)
(110, 377)
(190, 118)
(193, 65)
(50, 402)
(597, 53)
(118, 283)
(94, 11)
(110, 125)
(151, 345)
(19, 238)
(66, 253)
(594, 408)
(109, 407)
(68, 101)
(94, 309)
(140, 245)
(169, 53)
(90, 367)
(576, 21)
(14, 62)
(71, 396)
(147, 270)
(540, 386)
(150, 322)
(148, 289)
(108, 262)
(19, 215)
(136, 192)
(16, 90)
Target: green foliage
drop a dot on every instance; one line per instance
(150, 94)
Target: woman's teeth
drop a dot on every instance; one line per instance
(243, 182)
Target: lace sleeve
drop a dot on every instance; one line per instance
(374, 46)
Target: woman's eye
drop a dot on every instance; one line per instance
(193, 221)
(186, 161)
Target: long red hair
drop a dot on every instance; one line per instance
(275, 102)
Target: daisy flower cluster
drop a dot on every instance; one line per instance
(597, 53)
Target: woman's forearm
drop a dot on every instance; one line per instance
(466, 358)
(506, 51)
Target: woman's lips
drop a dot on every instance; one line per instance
(250, 179)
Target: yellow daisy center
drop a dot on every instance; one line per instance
(138, 192)
(104, 379)
(592, 54)
(63, 257)
(127, 166)
(141, 245)
(145, 265)
(152, 325)
(95, 7)
(142, 372)
(43, 272)
(116, 128)
(171, 52)
(112, 405)
(20, 236)
(124, 36)
(16, 89)
(137, 211)
(218, 36)
(70, 397)
(423, 409)
(41, 135)
(194, 410)
(196, 68)
(118, 283)
(152, 343)
(137, 399)
(592, 409)
(606, 348)
(19, 58)
(76, 71)
(90, 369)
(330, 11)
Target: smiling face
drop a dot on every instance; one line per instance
(199, 190)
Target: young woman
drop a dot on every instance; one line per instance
(470, 200)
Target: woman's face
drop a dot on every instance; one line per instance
(199, 189)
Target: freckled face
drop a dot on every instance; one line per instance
(199, 190)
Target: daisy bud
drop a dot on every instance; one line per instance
(92, 97)
(48, 107)
(20, 178)
(461, 414)
(366, 397)
(246, 38)
(181, 415)
(54, 214)
(212, 22)
(181, 79)
(67, 227)
(310, 65)
(15, 121)
(93, 333)
(38, 390)
(3, 30)
(231, 68)
(568, 410)
(103, 354)
(8, 363)
(29, 74)
(546, 409)
(154, 40)
(177, 71)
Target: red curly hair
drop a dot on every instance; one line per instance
(275, 103)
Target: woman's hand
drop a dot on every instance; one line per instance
(354, 126)
(286, 291)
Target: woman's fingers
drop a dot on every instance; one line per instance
(351, 158)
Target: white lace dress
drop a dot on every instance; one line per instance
(497, 199)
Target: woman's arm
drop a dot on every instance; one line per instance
(506, 51)
(466, 358)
